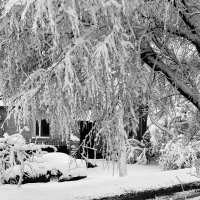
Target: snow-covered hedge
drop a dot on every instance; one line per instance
(177, 154)
(14, 151)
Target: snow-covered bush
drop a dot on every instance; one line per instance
(153, 141)
(176, 155)
(138, 152)
(15, 151)
(168, 123)
(134, 151)
(159, 138)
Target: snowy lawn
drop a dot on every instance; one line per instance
(99, 183)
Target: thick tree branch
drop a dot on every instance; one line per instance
(152, 60)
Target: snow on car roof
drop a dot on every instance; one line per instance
(56, 155)
(1, 103)
(52, 157)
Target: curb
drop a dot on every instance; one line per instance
(149, 194)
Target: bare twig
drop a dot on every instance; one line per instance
(181, 186)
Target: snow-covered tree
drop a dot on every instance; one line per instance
(65, 58)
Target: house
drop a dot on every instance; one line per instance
(41, 133)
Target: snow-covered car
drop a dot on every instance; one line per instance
(48, 167)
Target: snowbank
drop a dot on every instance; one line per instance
(99, 183)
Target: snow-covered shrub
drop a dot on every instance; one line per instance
(159, 138)
(15, 151)
(153, 140)
(196, 164)
(136, 152)
(176, 155)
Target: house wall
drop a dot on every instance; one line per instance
(54, 139)
(10, 127)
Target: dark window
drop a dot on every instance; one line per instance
(43, 131)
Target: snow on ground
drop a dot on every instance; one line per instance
(99, 183)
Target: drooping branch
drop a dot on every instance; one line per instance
(152, 59)
(187, 13)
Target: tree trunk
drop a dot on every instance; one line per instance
(122, 147)
(143, 114)
(122, 160)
